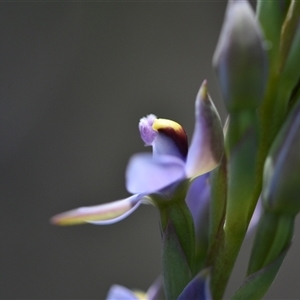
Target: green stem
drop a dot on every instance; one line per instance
(242, 140)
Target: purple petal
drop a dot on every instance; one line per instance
(118, 292)
(198, 288)
(156, 290)
(207, 144)
(171, 139)
(145, 174)
(102, 214)
(197, 200)
(256, 216)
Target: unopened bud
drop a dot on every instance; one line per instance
(281, 188)
(240, 58)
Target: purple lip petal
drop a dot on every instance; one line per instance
(102, 214)
(146, 174)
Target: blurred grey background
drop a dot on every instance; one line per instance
(75, 80)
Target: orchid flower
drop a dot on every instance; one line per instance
(154, 292)
(120, 292)
(171, 161)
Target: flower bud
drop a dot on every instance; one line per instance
(281, 187)
(240, 58)
(288, 32)
(290, 72)
(271, 15)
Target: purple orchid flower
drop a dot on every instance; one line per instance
(171, 161)
(120, 292)
(155, 292)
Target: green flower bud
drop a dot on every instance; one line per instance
(281, 186)
(240, 58)
(289, 27)
(271, 15)
(290, 74)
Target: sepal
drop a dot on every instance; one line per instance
(102, 214)
(198, 201)
(207, 145)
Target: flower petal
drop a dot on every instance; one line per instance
(256, 216)
(207, 144)
(198, 288)
(102, 214)
(120, 292)
(146, 174)
(156, 290)
(171, 139)
(197, 200)
(281, 189)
